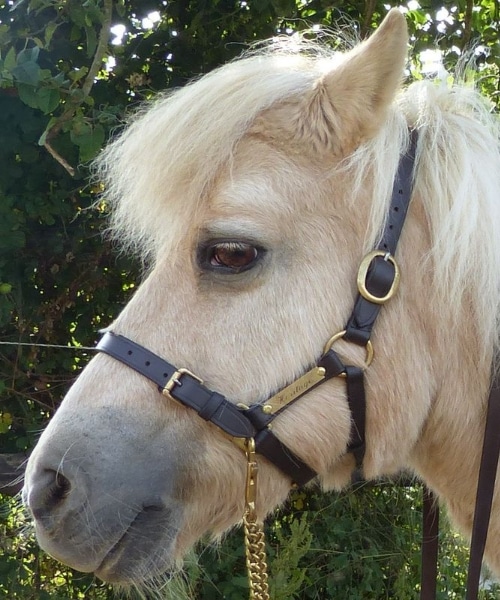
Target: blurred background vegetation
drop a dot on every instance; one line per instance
(69, 73)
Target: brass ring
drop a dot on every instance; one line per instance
(369, 347)
(363, 271)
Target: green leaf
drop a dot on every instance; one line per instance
(77, 13)
(79, 129)
(120, 8)
(48, 99)
(88, 139)
(4, 34)
(22, 442)
(50, 29)
(43, 137)
(78, 74)
(10, 59)
(28, 94)
(27, 72)
(91, 35)
(28, 55)
(45, 75)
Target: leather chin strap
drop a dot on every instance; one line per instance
(377, 282)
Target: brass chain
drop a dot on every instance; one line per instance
(255, 541)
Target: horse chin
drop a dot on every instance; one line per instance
(144, 551)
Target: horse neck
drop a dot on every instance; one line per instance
(435, 384)
(448, 453)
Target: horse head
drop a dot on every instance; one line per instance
(255, 192)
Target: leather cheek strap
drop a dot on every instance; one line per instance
(234, 421)
(381, 273)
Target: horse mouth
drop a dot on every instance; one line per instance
(144, 551)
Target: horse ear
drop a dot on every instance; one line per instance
(349, 103)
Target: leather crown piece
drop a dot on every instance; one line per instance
(377, 281)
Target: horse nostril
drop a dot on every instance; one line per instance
(153, 508)
(47, 491)
(62, 487)
(58, 488)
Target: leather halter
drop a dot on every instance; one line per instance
(377, 282)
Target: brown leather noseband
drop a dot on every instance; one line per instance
(377, 281)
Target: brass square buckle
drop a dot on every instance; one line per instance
(175, 380)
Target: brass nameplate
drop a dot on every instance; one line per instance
(294, 390)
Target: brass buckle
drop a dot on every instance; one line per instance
(369, 348)
(174, 380)
(362, 273)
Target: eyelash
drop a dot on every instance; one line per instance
(229, 256)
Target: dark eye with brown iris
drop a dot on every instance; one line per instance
(230, 256)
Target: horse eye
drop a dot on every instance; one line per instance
(233, 257)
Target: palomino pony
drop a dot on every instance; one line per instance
(256, 192)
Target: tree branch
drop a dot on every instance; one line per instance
(100, 51)
(62, 161)
(467, 23)
(69, 113)
(367, 17)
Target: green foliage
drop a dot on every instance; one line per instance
(363, 544)
(64, 86)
